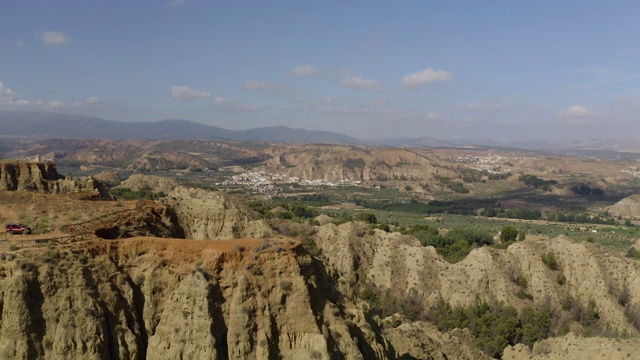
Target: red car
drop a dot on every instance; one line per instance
(18, 229)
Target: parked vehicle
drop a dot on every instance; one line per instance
(18, 229)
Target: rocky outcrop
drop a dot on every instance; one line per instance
(137, 182)
(28, 175)
(109, 178)
(43, 177)
(422, 340)
(211, 215)
(172, 299)
(149, 218)
(572, 347)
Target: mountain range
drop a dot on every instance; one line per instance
(58, 125)
(45, 124)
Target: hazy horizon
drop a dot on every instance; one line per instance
(448, 70)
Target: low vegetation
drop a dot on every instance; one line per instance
(455, 245)
(145, 193)
(494, 326)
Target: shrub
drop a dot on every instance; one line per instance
(567, 303)
(561, 279)
(589, 317)
(522, 236)
(523, 294)
(549, 259)
(633, 253)
(522, 282)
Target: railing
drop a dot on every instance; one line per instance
(89, 226)
(60, 240)
(77, 232)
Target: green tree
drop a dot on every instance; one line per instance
(489, 212)
(302, 211)
(368, 217)
(508, 234)
(536, 325)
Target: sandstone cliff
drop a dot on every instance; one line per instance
(43, 177)
(210, 215)
(178, 299)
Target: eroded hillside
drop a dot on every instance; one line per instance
(151, 298)
(348, 163)
(365, 293)
(585, 290)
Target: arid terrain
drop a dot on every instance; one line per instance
(149, 258)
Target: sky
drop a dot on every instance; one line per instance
(500, 70)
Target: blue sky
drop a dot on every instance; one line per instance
(504, 70)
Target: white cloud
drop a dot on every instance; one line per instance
(425, 76)
(187, 93)
(8, 96)
(230, 105)
(21, 44)
(54, 38)
(575, 111)
(356, 82)
(485, 105)
(93, 100)
(221, 101)
(259, 86)
(303, 70)
(432, 116)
